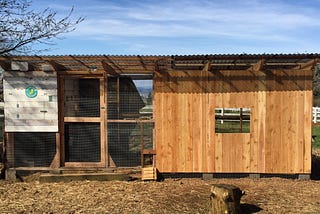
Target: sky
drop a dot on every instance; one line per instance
(186, 27)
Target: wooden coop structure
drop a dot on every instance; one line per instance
(177, 114)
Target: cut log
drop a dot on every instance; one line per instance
(225, 199)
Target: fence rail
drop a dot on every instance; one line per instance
(230, 112)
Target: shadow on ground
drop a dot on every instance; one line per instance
(249, 208)
(315, 167)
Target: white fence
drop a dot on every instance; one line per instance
(316, 114)
(221, 112)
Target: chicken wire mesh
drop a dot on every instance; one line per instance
(126, 100)
(32, 149)
(82, 142)
(82, 98)
(126, 140)
(130, 126)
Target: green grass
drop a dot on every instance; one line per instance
(232, 127)
(316, 137)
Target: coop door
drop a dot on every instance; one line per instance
(83, 108)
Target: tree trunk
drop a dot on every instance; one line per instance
(225, 199)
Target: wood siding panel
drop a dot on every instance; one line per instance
(259, 131)
(280, 135)
(210, 133)
(273, 132)
(196, 134)
(307, 127)
(297, 156)
(235, 156)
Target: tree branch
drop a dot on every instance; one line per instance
(20, 26)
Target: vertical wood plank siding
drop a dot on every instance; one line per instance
(280, 123)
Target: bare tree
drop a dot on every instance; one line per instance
(20, 26)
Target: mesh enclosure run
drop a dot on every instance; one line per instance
(124, 102)
(125, 140)
(82, 98)
(129, 102)
(82, 142)
(33, 149)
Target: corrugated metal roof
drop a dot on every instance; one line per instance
(147, 64)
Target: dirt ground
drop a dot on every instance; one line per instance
(264, 195)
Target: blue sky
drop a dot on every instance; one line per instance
(168, 27)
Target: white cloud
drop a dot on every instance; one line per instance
(242, 19)
(193, 26)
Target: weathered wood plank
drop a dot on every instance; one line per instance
(82, 119)
(189, 134)
(260, 131)
(254, 141)
(307, 131)
(103, 116)
(196, 133)
(286, 130)
(297, 156)
(210, 127)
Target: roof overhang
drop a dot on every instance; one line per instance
(114, 65)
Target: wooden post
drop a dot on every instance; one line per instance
(142, 143)
(225, 199)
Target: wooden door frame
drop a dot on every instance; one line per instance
(101, 119)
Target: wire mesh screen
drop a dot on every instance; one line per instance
(129, 102)
(82, 142)
(126, 100)
(82, 97)
(125, 142)
(33, 149)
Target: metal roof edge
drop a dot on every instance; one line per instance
(173, 56)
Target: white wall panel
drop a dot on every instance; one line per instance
(30, 112)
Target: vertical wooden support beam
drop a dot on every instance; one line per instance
(10, 149)
(61, 118)
(56, 160)
(118, 98)
(102, 122)
(154, 116)
(105, 85)
(118, 111)
(142, 143)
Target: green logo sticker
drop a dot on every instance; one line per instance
(31, 91)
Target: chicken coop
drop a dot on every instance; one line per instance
(181, 114)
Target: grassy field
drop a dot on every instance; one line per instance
(316, 137)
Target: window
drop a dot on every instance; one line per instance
(232, 120)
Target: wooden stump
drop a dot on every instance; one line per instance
(225, 199)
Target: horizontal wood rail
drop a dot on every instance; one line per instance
(130, 121)
(82, 119)
(149, 152)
